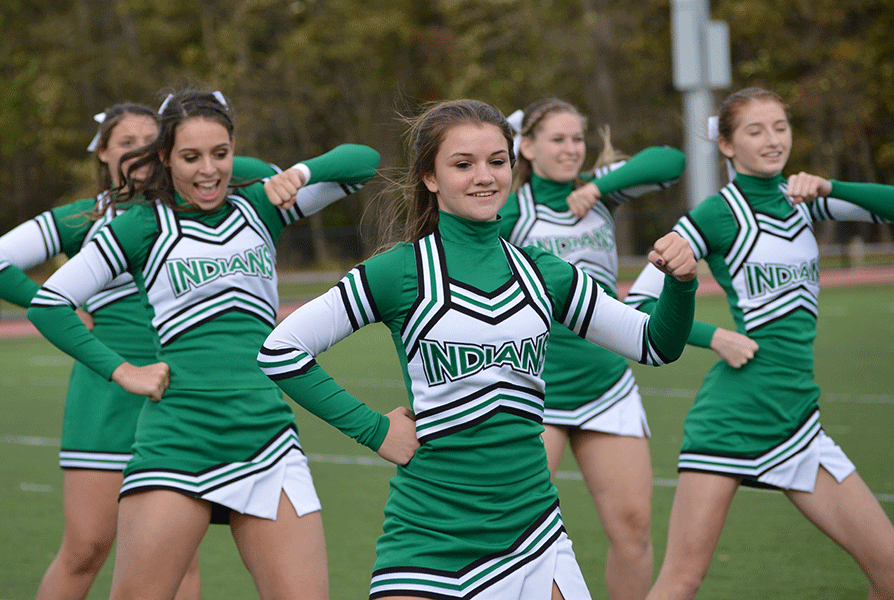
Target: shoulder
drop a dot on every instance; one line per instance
(711, 208)
(138, 218)
(247, 168)
(255, 196)
(391, 262)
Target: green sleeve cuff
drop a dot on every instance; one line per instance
(701, 334)
(16, 287)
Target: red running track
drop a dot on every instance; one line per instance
(831, 278)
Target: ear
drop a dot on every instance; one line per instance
(232, 145)
(430, 183)
(524, 147)
(726, 148)
(101, 154)
(161, 159)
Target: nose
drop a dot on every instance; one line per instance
(206, 165)
(483, 174)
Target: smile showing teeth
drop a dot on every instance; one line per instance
(482, 194)
(207, 190)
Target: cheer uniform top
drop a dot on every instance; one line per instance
(99, 417)
(470, 317)
(584, 380)
(762, 251)
(208, 281)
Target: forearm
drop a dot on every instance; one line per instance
(15, 286)
(320, 395)
(53, 309)
(350, 164)
(65, 330)
(670, 324)
(877, 198)
(656, 165)
(288, 358)
(701, 333)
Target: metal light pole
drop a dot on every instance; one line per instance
(701, 64)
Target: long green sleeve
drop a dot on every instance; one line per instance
(317, 392)
(701, 333)
(671, 321)
(874, 197)
(347, 163)
(657, 164)
(65, 330)
(16, 287)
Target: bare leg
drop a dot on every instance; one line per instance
(158, 535)
(286, 557)
(554, 439)
(849, 514)
(618, 473)
(556, 595)
(90, 505)
(701, 504)
(191, 585)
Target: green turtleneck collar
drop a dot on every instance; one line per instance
(477, 233)
(209, 218)
(764, 194)
(551, 193)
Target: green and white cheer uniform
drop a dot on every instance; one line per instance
(588, 386)
(99, 417)
(470, 317)
(761, 423)
(222, 431)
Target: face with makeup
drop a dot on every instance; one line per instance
(556, 147)
(761, 139)
(472, 173)
(201, 162)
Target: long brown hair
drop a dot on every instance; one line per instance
(178, 107)
(411, 210)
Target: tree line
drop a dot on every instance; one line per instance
(305, 75)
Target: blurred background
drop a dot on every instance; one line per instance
(304, 76)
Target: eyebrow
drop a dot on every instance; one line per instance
(759, 123)
(197, 151)
(463, 154)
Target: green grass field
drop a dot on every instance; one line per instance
(767, 549)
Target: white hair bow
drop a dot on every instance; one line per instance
(217, 95)
(164, 103)
(221, 99)
(714, 135)
(99, 118)
(515, 120)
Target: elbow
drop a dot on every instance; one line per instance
(33, 313)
